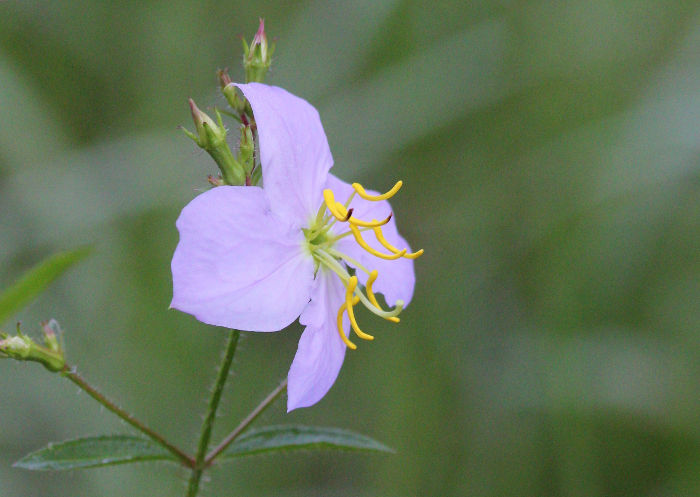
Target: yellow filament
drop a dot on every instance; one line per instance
(352, 284)
(358, 237)
(375, 198)
(332, 205)
(332, 264)
(370, 294)
(380, 238)
(344, 338)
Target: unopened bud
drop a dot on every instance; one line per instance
(258, 57)
(52, 334)
(23, 348)
(228, 89)
(211, 136)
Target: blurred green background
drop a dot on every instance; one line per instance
(551, 158)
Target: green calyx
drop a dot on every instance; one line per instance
(22, 348)
(211, 136)
(257, 57)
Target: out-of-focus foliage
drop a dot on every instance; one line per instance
(551, 158)
(35, 281)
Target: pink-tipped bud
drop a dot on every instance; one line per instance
(228, 89)
(258, 57)
(209, 133)
(260, 39)
(224, 78)
(52, 333)
(211, 136)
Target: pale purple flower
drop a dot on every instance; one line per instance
(255, 259)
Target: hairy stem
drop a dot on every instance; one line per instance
(216, 451)
(205, 435)
(73, 376)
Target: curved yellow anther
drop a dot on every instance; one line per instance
(343, 211)
(380, 238)
(349, 291)
(369, 224)
(332, 205)
(370, 294)
(358, 238)
(375, 198)
(343, 337)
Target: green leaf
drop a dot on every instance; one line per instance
(34, 281)
(93, 452)
(291, 437)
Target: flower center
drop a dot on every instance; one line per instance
(320, 242)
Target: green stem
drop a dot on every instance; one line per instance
(245, 423)
(70, 373)
(208, 424)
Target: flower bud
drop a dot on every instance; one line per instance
(258, 57)
(23, 348)
(52, 333)
(228, 89)
(211, 136)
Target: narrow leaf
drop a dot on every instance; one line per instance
(34, 281)
(92, 452)
(285, 438)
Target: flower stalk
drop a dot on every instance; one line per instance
(208, 424)
(267, 402)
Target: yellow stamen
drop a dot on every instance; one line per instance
(321, 241)
(346, 214)
(343, 211)
(331, 263)
(358, 238)
(370, 294)
(352, 284)
(375, 198)
(369, 224)
(343, 337)
(332, 205)
(380, 238)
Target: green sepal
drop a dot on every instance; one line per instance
(94, 452)
(246, 156)
(256, 178)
